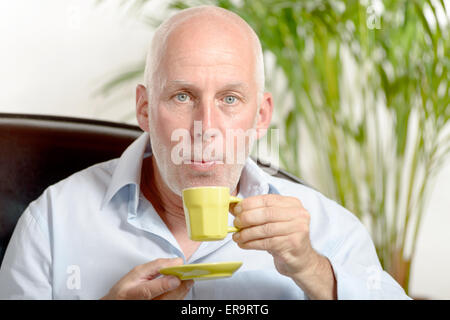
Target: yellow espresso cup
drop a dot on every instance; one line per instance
(206, 212)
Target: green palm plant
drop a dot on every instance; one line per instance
(367, 87)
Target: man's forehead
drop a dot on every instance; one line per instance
(230, 85)
(210, 52)
(222, 70)
(187, 83)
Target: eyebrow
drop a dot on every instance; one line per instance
(240, 86)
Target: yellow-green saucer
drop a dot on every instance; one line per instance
(203, 271)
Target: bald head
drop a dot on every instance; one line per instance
(200, 29)
(205, 79)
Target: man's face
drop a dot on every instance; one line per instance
(205, 86)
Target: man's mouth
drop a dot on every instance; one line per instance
(203, 165)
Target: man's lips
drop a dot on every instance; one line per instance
(203, 165)
(189, 161)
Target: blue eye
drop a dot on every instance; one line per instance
(230, 99)
(182, 97)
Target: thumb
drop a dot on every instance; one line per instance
(153, 288)
(151, 269)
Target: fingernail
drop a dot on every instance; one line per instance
(237, 235)
(237, 222)
(238, 208)
(174, 282)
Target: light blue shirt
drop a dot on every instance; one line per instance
(87, 231)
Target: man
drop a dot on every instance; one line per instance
(106, 231)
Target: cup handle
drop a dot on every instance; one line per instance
(232, 229)
(234, 199)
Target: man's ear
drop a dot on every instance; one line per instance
(142, 107)
(264, 115)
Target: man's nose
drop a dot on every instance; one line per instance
(207, 113)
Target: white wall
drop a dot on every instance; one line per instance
(54, 54)
(430, 276)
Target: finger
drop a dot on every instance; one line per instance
(150, 289)
(267, 244)
(265, 200)
(232, 206)
(268, 230)
(151, 269)
(178, 293)
(261, 216)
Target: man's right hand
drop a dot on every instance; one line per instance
(140, 283)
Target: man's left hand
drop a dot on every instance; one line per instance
(280, 225)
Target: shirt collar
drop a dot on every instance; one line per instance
(128, 172)
(128, 169)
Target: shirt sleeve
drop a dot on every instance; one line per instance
(357, 270)
(25, 272)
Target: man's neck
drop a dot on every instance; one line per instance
(168, 204)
